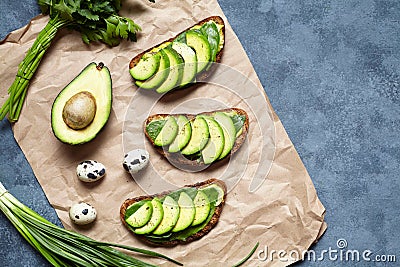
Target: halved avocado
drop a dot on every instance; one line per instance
(155, 220)
(199, 138)
(184, 134)
(141, 216)
(201, 46)
(168, 132)
(147, 66)
(215, 144)
(187, 212)
(202, 206)
(160, 76)
(83, 107)
(175, 71)
(171, 215)
(229, 130)
(190, 62)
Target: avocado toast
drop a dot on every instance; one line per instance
(179, 61)
(175, 217)
(193, 141)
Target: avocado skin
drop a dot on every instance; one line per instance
(207, 228)
(56, 122)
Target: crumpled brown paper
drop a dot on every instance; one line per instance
(282, 212)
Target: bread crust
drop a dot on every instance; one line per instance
(134, 61)
(179, 160)
(211, 224)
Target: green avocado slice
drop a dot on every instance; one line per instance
(175, 72)
(214, 193)
(160, 76)
(187, 212)
(155, 220)
(146, 67)
(190, 62)
(201, 46)
(202, 206)
(229, 130)
(184, 134)
(141, 216)
(215, 144)
(171, 215)
(184, 234)
(199, 138)
(168, 132)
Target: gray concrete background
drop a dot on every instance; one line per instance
(331, 70)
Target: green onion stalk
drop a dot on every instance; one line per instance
(27, 68)
(62, 247)
(248, 256)
(96, 20)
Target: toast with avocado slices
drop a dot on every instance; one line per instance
(175, 217)
(192, 141)
(179, 61)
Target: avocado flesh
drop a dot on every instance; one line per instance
(187, 212)
(201, 46)
(190, 62)
(229, 131)
(155, 220)
(160, 76)
(168, 132)
(215, 144)
(221, 37)
(199, 138)
(171, 215)
(214, 193)
(141, 216)
(96, 80)
(154, 128)
(183, 137)
(202, 206)
(175, 71)
(146, 67)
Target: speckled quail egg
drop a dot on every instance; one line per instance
(82, 213)
(136, 160)
(90, 171)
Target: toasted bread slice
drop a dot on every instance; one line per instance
(205, 230)
(183, 162)
(217, 19)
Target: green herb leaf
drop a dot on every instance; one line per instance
(154, 128)
(88, 14)
(238, 121)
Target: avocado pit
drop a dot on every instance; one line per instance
(80, 110)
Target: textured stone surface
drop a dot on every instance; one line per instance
(331, 70)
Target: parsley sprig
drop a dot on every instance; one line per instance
(96, 20)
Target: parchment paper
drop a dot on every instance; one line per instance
(282, 213)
